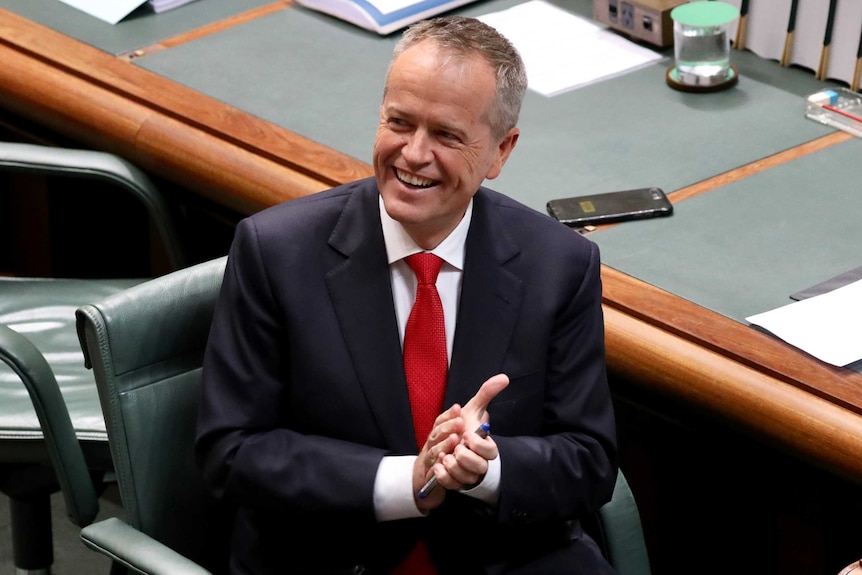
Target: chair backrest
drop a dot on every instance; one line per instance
(146, 346)
(95, 165)
(621, 532)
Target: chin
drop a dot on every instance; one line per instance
(404, 212)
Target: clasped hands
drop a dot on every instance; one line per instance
(453, 452)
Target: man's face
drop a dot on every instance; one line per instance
(434, 146)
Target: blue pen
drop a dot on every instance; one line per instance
(482, 431)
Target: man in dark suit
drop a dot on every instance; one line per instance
(305, 420)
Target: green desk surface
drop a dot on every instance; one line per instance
(322, 78)
(746, 247)
(738, 250)
(140, 29)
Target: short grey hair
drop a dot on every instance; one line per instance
(468, 36)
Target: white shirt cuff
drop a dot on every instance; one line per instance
(393, 489)
(488, 489)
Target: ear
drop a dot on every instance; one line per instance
(504, 148)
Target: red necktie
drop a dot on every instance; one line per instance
(426, 366)
(425, 358)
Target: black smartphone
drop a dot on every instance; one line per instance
(610, 207)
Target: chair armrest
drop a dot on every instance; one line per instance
(19, 353)
(137, 551)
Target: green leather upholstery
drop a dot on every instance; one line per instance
(25, 359)
(49, 407)
(622, 533)
(146, 347)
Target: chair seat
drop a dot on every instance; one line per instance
(52, 327)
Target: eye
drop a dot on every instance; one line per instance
(397, 123)
(449, 136)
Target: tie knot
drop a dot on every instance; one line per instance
(426, 266)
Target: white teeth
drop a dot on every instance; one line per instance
(413, 180)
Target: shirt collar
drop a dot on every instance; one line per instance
(399, 244)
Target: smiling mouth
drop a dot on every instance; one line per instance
(414, 181)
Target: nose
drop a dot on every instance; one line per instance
(417, 148)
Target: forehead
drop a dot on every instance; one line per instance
(433, 74)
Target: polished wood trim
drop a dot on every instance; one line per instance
(226, 23)
(725, 336)
(212, 28)
(772, 410)
(219, 151)
(760, 165)
(730, 339)
(750, 169)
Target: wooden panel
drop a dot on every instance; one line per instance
(814, 428)
(732, 340)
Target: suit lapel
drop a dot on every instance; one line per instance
(361, 295)
(491, 298)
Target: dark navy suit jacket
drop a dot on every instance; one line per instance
(304, 390)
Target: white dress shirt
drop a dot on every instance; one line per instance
(393, 487)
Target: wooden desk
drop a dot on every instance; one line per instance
(665, 344)
(223, 153)
(727, 368)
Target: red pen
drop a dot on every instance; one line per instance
(842, 112)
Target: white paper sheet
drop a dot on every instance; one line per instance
(111, 11)
(563, 51)
(827, 326)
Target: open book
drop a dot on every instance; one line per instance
(382, 16)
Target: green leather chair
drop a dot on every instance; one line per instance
(620, 532)
(146, 347)
(59, 440)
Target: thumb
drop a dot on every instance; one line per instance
(478, 404)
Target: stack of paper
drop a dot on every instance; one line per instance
(115, 10)
(563, 51)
